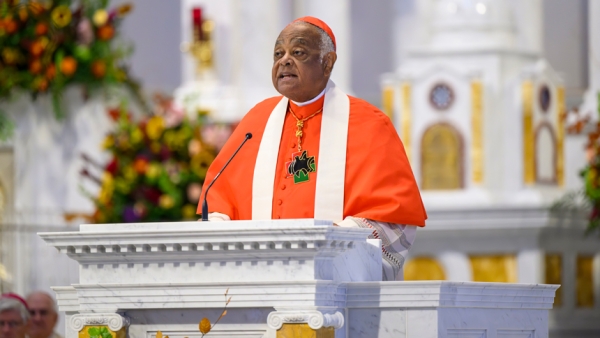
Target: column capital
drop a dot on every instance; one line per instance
(315, 319)
(114, 321)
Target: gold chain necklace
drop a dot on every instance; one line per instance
(300, 125)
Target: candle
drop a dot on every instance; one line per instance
(197, 22)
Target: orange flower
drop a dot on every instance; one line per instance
(36, 48)
(23, 15)
(68, 66)
(10, 25)
(106, 32)
(124, 9)
(204, 326)
(41, 28)
(36, 8)
(35, 66)
(50, 72)
(98, 69)
(140, 165)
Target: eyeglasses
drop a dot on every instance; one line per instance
(11, 323)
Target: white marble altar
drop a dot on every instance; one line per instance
(167, 276)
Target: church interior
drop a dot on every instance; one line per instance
(496, 102)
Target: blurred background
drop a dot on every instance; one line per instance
(113, 111)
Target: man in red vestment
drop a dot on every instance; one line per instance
(318, 153)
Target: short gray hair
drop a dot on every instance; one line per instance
(7, 304)
(326, 44)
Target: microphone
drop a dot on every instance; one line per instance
(205, 203)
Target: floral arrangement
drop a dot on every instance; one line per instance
(588, 198)
(591, 175)
(47, 45)
(157, 168)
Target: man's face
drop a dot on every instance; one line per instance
(12, 325)
(43, 318)
(298, 71)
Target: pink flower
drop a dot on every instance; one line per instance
(85, 34)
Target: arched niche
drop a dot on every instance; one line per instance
(545, 154)
(441, 158)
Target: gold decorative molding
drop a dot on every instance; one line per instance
(423, 268)
(494, 268)
(477, 153)
(528, 133)
(553, 275)
(387, 101)
(585, 281)
(304, 331)
(405, 90)
(560, 136)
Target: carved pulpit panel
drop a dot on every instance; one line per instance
(441, 158)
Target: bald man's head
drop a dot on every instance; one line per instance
(43, 314)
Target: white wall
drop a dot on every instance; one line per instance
(154, 28)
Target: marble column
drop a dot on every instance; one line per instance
(530, 265)
(336, 13)
(456, 266)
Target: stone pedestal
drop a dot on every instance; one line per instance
(289, 278)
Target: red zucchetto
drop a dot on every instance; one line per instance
(319, 23)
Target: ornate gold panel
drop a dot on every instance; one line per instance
(441, 158)
(423, 268)
(477, 154)
(560, 137)
(494, 268)
(553, 263)
(406, 119)
(585, 281)
(304, 331)
(387, 101)
(528, 134)
(85, 334)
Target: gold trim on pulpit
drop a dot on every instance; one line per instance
(553, 272)
(84, 333)
(585, 281)
(387, 101)
(528, 135)
(560, 139)
(304, 331)
(494, 268)
(477, 154)
(406, 118)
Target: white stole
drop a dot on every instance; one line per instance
(331, 164)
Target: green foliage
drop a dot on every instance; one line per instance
(101, 332)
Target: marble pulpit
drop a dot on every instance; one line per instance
(286, 278)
